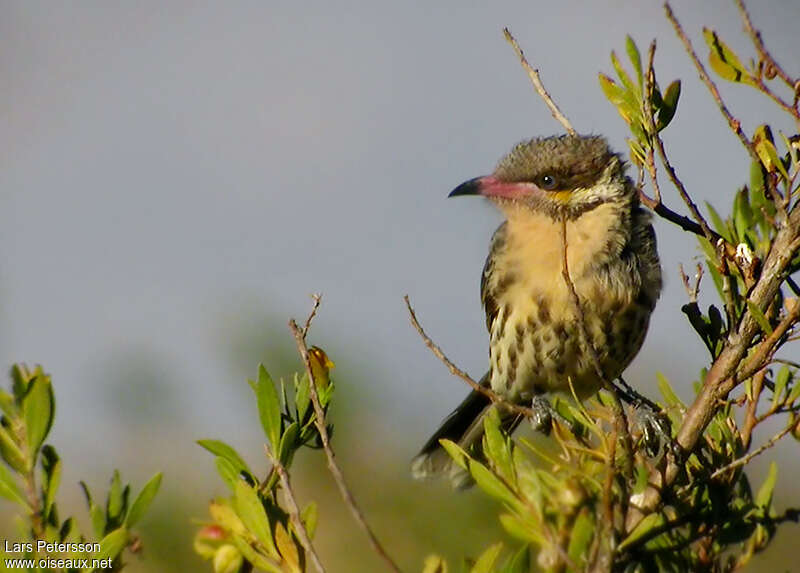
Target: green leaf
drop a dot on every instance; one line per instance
(269, 409)
(38, 411)
(227, 471)
(288, 444)
(645, 526)
(670, 397)
(669, 105)
(520, 529)
(794, 393)
(7, 405)
(520, 562)
(309, 516)
(485, 562)
(455, 451)
(113, 544)
(257, 558)
(719, 225)
(223, 450)
(759, 317)
(766, 151)
(581, 537)
(251, 511)
(9, 488)
(724, 61)
(143, 500)
(764, 495)
(781, 380)
(497, 447)
(51, 469)
(623, 100)
(635, 58)
(11, 453)
(491, 484)
(623, 75)
(302, 397)
(115, 498)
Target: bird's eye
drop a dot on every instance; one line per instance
(548, 182)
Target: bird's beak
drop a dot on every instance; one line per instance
(471, 187)
(490, 186)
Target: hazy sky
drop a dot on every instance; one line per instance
(174, 173)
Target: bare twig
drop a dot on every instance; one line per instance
(655, 138)
(294, 511)
(456, 371)
(758, 42)
(744, 460)
(620, 420)
(317, 298)
(692, 291)
(735, 124)
(319, 421)
(533, 74)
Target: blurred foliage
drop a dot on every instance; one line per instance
(28, 414)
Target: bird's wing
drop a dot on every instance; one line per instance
(487, 292)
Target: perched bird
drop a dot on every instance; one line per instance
(536, 344)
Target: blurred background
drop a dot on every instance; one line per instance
(177, 178)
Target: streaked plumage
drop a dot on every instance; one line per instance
(535, 343)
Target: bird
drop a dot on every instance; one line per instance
(536, 343)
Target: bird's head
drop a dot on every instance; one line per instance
(560, 176)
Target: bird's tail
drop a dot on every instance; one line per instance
(463, 426)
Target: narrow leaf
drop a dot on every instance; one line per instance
(251, 511)
(269, 409)
(113, 544)
(759, 316)
(287, 548)
(491, 484)
(669, 105)
(9, 488)
(223, 450)
(724, 61)
(11, 452)
(51, 468)
(635, 58)
(581, 537)
(764, 495)
(143, 500)
(485, 563)
(497, 448)
(309, 516)
(37, 408)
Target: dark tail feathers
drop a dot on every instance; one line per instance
(465, 427)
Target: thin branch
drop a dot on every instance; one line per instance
(319, 421)
(620, 420)
(533, 74)
(735, 124)
(692, 291)
(766, 348)
(456, 371)
(761, 449)
(650, 81)
(793, 286)
(294, 511)
(317, 298)
(763, 53)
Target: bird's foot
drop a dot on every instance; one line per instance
(655, 426)
(543, 412)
